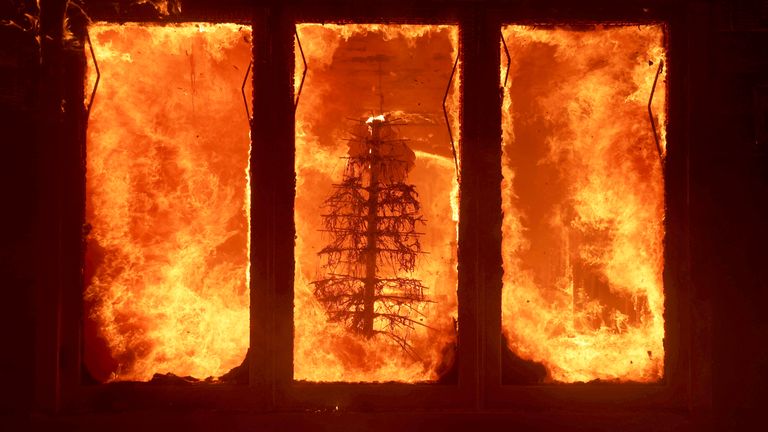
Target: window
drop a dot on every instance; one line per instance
(583, 203)
(545, 202)
(167, 200)
(375, 163)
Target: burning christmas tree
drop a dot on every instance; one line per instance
(371, 220)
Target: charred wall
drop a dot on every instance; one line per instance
(729, 196)
(19, 114)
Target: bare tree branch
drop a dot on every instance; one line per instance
(371, 221)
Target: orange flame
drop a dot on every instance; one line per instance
(168, 198)
(583, 200)
(358, 72)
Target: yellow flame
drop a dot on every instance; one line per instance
(168, 199)
(583, 200)
(343, 82)
(379, 117)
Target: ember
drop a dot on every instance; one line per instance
(583, 201)
(168, 200)
(357, 72)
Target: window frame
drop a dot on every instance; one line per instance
(687, 381)
(73, 393)
(292, 394)
(675, 390)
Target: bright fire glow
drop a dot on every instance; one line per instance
(583, 201)
(168, 199)
(379, 117)
(361, 72)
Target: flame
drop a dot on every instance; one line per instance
(363, 72)
(168, 199)
(583, 201)
(164, 8)
(379, 117)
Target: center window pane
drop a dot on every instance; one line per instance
(376, 203)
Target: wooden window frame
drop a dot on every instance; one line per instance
(687, 379)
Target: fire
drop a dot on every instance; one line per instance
(168, 201)
(583, 201)
(376, 72)
(379, 117)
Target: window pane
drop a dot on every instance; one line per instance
(583, 202)
(374, 165)
(168, 201)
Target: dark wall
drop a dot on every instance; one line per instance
(19, 186)
(729, 170)
(728, 205)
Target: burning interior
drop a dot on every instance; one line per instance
(376, 206)
(167, 201)
(613, 265)
(583, 200)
